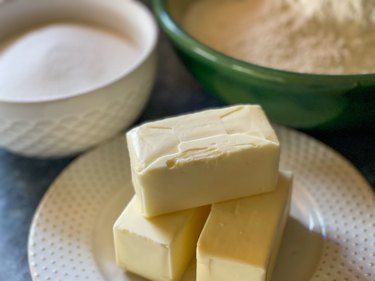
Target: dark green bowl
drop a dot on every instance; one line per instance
(293, 99)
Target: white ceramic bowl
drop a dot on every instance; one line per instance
(55, 127)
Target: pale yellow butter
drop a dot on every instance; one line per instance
(160, 248)
(240, 239)
(198, 159)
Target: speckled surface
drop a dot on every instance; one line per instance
(24, 181)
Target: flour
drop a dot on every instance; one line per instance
(360, 12)
(278, 34)
(61, 60)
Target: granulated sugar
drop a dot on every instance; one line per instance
(62, 59)
(278, 34)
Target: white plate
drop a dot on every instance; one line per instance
(330, 234)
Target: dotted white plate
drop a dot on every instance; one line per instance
(330, 234)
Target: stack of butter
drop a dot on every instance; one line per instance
(208, 187)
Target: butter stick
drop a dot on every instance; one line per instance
(240, 239)
(160, 248)
(201, 158)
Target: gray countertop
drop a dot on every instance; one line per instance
(23, 181)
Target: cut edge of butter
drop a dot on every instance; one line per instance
(160, 248)
(236, 241)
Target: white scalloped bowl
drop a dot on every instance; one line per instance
(61, 126)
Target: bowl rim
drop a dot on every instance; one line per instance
(147, 19)
(203, 52)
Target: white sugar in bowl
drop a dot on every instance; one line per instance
(70, 96)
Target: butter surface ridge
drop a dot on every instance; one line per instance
(241, 238)
(201, 158)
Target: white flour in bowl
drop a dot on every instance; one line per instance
(288, 34)
(62, 59)
(360, 12)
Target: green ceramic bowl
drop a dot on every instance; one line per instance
(298, 100)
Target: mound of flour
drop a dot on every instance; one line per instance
(361, 12)
(61, 60)
(279, 34)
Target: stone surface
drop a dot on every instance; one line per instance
(24, 181)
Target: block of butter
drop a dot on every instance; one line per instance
(240, 239)
(201, 158)
(160, 248)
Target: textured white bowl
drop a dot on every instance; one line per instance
(59, 126)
